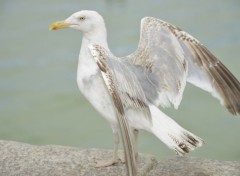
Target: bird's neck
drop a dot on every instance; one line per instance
(97, 36)
(94, 37)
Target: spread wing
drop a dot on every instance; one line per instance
(164, 67)
(170, 57)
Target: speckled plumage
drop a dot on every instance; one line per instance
(128, 90)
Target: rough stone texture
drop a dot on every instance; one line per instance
(188, 166)
(18, 159)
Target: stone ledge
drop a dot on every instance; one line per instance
(189, 166)
(19, 159)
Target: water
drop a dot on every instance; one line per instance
(39, 99)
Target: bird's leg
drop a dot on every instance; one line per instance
(135, 133)
(114, 160)
(135, 145)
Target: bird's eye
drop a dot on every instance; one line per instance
(82, 18)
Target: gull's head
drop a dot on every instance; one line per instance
(84, 21)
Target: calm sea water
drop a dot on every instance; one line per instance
(39, 99)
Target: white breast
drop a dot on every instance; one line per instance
(91, 85)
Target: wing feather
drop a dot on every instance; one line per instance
(223, 84)
(162, 60)
(98, 54)
(124, 79)
(176, 57)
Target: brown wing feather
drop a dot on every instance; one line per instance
(98, 55)
(222, 80)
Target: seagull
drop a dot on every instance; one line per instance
(128, 91)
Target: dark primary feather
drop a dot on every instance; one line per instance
(221, 79)
(100, 56)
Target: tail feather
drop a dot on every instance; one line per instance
(172, 134)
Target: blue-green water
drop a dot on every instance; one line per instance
(39, 99)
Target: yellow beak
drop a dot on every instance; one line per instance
(58, 25)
